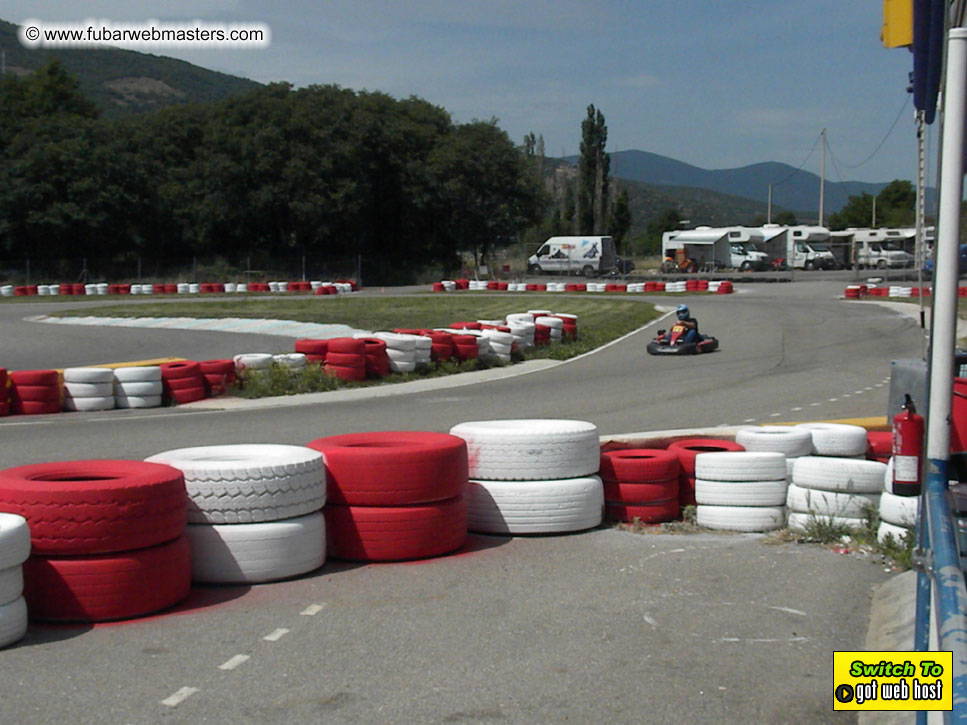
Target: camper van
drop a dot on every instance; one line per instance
(590, 256)
(809, 248)
(717, 247)
(882, 248)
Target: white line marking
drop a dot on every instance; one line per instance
(833, 400)
(796, 410)
(233, 662)
(650, 621)
(857, 392)
(312, 610)
(787, 609)
(813, 405)
(749, 420)
(774, 415)
(847, 395)
(276, 635)
(762, 640)
(179, 697)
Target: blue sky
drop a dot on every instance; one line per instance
(714, 83)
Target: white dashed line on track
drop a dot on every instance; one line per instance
(312, 610)
(276, 635)
(233, 662)
(179, 697)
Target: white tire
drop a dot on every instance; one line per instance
(740, 493)
(14, 540)
(530, 449)
(836, 439)
(498, 349)
(397, 342)
(555, 323)
(519, 317)
(740, 466)
(291, 360)
(249, 483)
(137, 401)
(402, 367)
(148, 387)
(137, 374)
(798, 521)
(86, 404)
(402, 356)
(11, 584)
(830, 503)
(785, 439)
(534, 507)
(740, 518)
(499, 338)
(13, 621)
(88, 375)
(899, 510)
(839, 474)
(899, 533)
(263, 552)
(89, 390)
(253, 361)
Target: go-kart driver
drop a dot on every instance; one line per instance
(690, 323)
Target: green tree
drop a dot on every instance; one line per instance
(619, 223)
(667, 220)
(894, 208)
(594, 166)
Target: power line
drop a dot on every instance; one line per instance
(906, 100)
(808, 156)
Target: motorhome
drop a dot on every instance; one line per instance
(808, 248)
(590, 256)
(880, 248)
(710, 248)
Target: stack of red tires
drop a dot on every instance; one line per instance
(377, 359)
(34, 392)
(640, 484)
(4, 393)
(219, 376)
(686, 450)
(107, 538)
(464, 347)
(346, 358)
(314, 350)
(183, 381)
(394, 496)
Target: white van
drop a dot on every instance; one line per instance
(589, 256)
(882, 248)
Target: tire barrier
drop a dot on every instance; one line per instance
(109, 288)
(14, 550)
(791, 441)
(640, 484)
(686, 450)
(837, 439)
(219, 376)
(87, 389)
(4, 394)
(253, 510)
(395, 496)
(740, 490)
(859, 291)
(34, 392)
(183, 382)
(532, 476)
(830, 490)
(107, 537)
(722, 287)
(138, 386)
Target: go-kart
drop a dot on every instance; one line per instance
(673, 343)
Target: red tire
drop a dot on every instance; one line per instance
(441, 351)
(224, 367)
(34, 407)
(109, 586)
(4, 408)
(184, 369)
(652, 513)
(312, 347)
(393, 468)
(3, 383)
(466, 352)
(347, 373)
(350, 345)
(346, 359)
(315, 359)
(639, 465)
(686, 490)
(638, 493)
(175, 384)
(689, 448)
(43, 393)
(880, 444)
(189, 395)
(464, 340)
(34, 377)
(378, 533)
(96, 507)
(377, 364)
(466, 325)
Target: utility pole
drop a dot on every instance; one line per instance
(769, 207)
(822, 180)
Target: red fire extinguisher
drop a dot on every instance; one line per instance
(907, 450)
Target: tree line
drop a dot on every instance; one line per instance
(321, 171)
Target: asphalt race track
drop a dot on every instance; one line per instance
(600, 626)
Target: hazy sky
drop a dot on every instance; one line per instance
(714, 83)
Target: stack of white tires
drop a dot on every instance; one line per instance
(837, 439)
(556, 324)
(253, 362)
(899, 509)
(500, 343)
(290, 360)
(401, 350)
(138, 386)
(532, 476)
(254, 511)
(14, 550)
(740, 490)
(791, 441)
(88, 389)
(833, 491)
(522, 327)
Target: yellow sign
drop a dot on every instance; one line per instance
(897, 30)
(892, 680)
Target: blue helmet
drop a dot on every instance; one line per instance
(682, 312)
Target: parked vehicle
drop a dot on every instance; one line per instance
(715, 248)
(961, 265)
(879, 248)
(590, 256)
